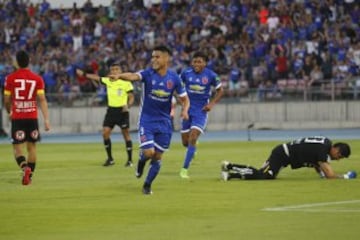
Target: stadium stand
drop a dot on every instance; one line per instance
(273, 46)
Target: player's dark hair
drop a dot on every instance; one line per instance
(163, 48)
(22, 59)
(115, 63)
(112, 63)
(201, 55)
(344, 149)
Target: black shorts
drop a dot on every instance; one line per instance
(24, 130)
(115, 116)
(277, 160)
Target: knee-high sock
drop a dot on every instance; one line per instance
(153, 171)
(21, 161)
(129, 150)
(189, 156)
(107, 144)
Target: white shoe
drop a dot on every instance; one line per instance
(224, 166)
(225, 175)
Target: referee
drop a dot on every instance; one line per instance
(119, 98)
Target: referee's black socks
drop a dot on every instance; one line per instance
(107, 144)
(129, 150)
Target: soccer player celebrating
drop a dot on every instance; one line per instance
(155, 128)
(315, 152)
(120, 97)
(198, 81)
(22, 89)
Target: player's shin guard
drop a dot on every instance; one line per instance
(189, 156)
(153, 171)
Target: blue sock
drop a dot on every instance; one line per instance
(153, 171)
(189, 156)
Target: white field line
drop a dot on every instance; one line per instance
(312, 207)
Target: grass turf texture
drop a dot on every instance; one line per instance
(73, 197)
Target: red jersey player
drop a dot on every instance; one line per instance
(22, 90)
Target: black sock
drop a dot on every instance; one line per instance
(21, 161)
(107, 144)
(129, 150)
(32, 165)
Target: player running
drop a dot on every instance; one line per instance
(315, 152)
(198, 81)
(155, 128)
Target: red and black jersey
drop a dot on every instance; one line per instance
(23, 86)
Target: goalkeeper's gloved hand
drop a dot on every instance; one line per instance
(350, 175)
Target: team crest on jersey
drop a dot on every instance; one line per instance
(169, 84)
(204, 80)
(19, 135)
(35, 134)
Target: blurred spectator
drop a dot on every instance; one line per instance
(49, 76)
(245, 31)
(267, 90)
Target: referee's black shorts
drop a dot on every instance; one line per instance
(116, 116)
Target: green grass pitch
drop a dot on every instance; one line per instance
(73, 197)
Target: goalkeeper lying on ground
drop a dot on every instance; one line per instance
(316, 152)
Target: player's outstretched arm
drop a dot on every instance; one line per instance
(127, 76)
(90, 76)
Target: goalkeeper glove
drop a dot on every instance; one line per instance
(350, 175)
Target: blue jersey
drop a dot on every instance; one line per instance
(157, 92)
(198, 87)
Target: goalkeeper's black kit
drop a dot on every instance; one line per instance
(304, 152)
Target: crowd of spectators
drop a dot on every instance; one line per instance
(252, 44)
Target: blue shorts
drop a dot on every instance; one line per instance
(156, 134)
(197, 121)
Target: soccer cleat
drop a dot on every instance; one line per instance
(184, 173)
(140, 169)
(26, 176)
(225, 166)
(109, 162)
(225, 175)
(147, 190)
(128, 164)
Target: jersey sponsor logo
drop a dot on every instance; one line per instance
(160, 93)
(196, 87)
(19, 135)
(34, 134)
